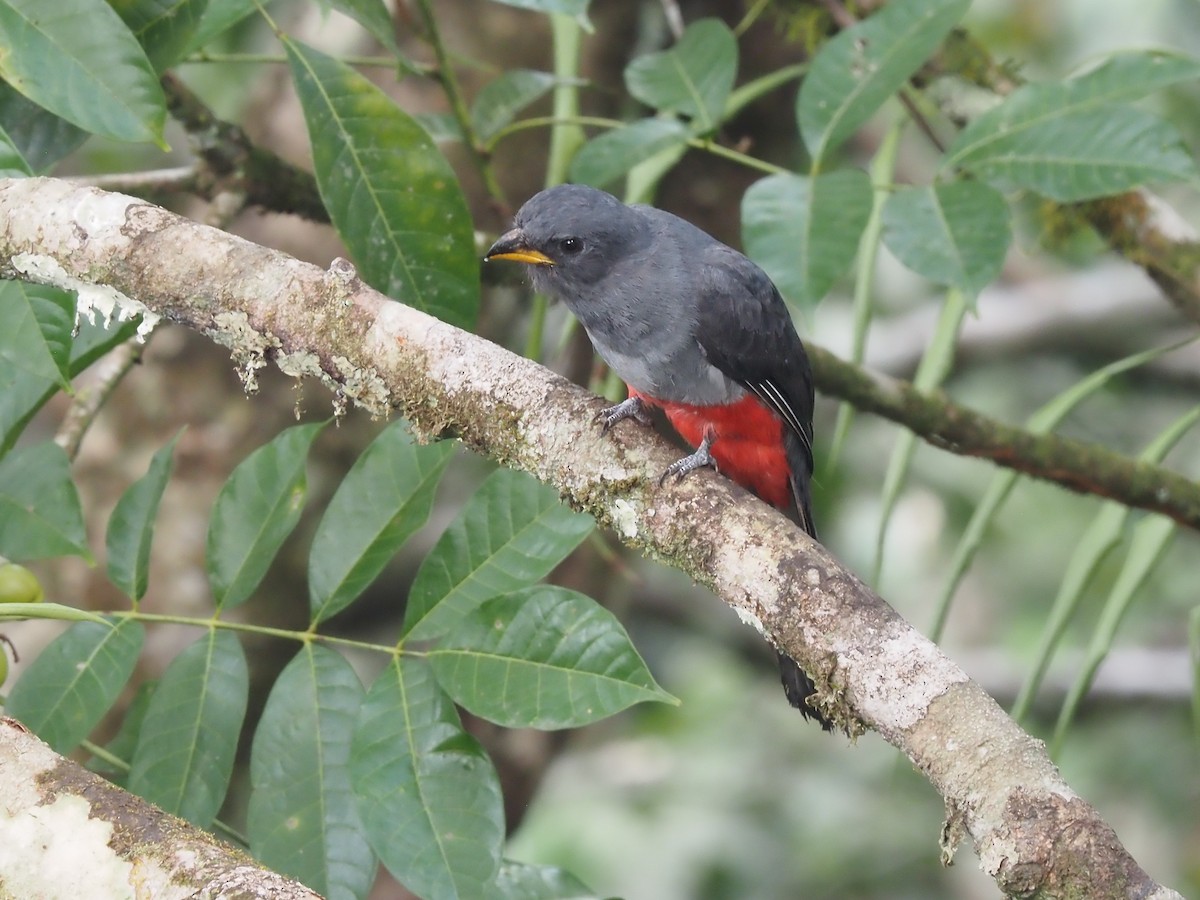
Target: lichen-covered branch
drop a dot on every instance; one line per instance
(54, 811)
(1087, 468)
(1031, 831)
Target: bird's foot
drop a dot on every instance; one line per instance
(698, 460)
(633, 408)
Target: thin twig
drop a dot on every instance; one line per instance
(89, 399)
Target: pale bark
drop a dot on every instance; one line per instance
(1032, 833)
(66, 834)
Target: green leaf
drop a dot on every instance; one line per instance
(131, 525)
(804, 231)
(122, 746)
(186, 747)
(77, 59)
(23, 394)
(302, 819)
(1100, 538)
(12, 163)
(41, 137)
(509, 535)
(384, 498)
(522, 881)
(955, 234)
(1151, 538)
(693, 78)
(1079, 156)
(254, 513)
(1071, 140)
(37, 333)
(391, 195)
(373, 16)
(935, 365)
(164, 28)
(575, 9)
(428, 794)
(67, 690)
(40, 515)
(861, 67)
(609, 156)
(1045, 419)
(1194, 653)
(500, 100)
(218, 17)
(543, 657)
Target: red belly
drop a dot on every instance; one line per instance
(749, 442)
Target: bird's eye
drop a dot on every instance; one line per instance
(570, 245)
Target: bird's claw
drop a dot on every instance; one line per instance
(702, 458)
(632, 408)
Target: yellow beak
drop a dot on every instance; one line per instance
(511, 245)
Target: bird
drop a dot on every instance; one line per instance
(694, 328)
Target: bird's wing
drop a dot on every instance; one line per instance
(744, 330)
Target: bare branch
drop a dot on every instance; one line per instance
(1031, 831)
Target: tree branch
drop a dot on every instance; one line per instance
(1031, 831)
(52, 810)
(1083, 467)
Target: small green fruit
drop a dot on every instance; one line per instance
(19, 585)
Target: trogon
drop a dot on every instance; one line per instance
(692, 327)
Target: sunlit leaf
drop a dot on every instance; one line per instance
(77, 59)
(693, 78)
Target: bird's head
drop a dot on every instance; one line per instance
(571, 236)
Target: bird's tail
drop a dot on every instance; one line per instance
(797, 685)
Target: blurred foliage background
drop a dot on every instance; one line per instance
(731, 795)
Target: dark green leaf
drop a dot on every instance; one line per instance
(862, 66)
(693, 78)
(511, 534)
(955, 234)
(428, 794)
(804, 231)
(384, 498)
(40, 515)
(67, 690)
(125, 742)
(391, 195)
(302, 819)
(188, 739)
(41, 137)
(131, 525)
(77, 59)
(37, 334)
(164, 28)
(255, 511)
(22, 394)
(12, 163)
(542, 657)
(521, 881)
(609, 156)
(500, 100)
